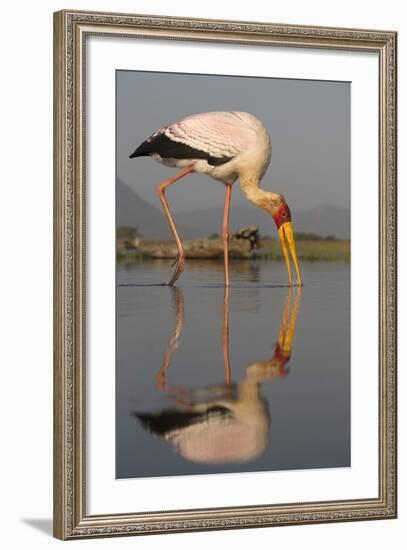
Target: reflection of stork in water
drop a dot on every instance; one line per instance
(226, 423)
(225, 146)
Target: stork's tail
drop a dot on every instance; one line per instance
(141, 151)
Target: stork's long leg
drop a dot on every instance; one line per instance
(161, 193)
(225, 233)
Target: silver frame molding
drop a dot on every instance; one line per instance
(70, 31)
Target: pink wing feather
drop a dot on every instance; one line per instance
(220, 134)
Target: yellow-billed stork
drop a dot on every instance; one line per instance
(225, 146)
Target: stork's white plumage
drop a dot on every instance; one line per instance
(225, 146)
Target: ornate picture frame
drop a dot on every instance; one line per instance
(71, 31)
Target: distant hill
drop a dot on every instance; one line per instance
(134, 211)
(324, 220)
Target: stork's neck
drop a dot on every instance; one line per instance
(251, 188)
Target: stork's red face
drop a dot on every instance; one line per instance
(282, 215)
(282, 218)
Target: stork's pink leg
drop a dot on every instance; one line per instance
(225, 233)
(161, 193)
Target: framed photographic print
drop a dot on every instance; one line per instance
(225, 274)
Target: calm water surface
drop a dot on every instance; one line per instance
(255, 379)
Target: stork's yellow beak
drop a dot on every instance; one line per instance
(287, 242)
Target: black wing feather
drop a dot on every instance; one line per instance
(167, 148)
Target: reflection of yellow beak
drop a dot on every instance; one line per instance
(287, 241)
